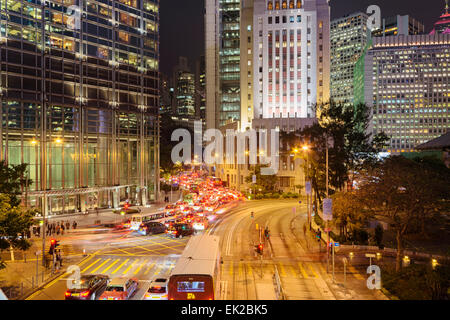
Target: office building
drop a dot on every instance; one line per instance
(399, 25)
(291, 70)
(407, 85)
(79, 101)
(443, 23)
(349, 36)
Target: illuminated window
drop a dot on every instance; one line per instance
(284, 5)
(104, 11)
(102, 53)
(69, 45)
(299, 4)
(131, 3)
(270, 6)
(277, 5)
(124, 37)
(127, 19)
(291, 4)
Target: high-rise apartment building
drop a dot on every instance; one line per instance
(291, 71)
(399, 25)
(348, 36)
(407, 81)
(79, 100)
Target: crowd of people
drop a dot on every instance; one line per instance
(55, 228)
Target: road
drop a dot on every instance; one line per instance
(245, 275)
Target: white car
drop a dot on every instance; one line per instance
(157, 290)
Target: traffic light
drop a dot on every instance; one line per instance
(259, 248)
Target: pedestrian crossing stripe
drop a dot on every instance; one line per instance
(130, 266)
(101, 265)
(293, 271)
(240, 269)
(111, 265)
(355, 273)
(90, 265)
(282, 271)
(149, 268)
(302, 270)
(250, 270)
(117, 269)
(313, 271)
(139, 268)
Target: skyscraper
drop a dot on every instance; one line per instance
(200, 89)
(407, 85)
(291, 57)
(349, 36)
(79, 100)
(399, 25)
(443, 23)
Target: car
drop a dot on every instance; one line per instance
(150, 227)
(89, 287)
(157, 290)
(200, 223)
(120, 289)
(180, 230)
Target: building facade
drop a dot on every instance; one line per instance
(399, 26)
(79, 101)
(407, 84)
(200, 90)
(443, 23)
(348, 36)
(291, 70)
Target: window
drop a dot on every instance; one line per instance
(299, 18)
(131, 3)
(284, 19)
(291, 19)
(123, 36)
(270, 20)
(277, 19)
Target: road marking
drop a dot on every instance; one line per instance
(158, 270)
(84, 261)
(240, 268)
(111, 265)
(322, 269)
(313, 271)
(303, 271)
(139, 268)
(130, 266)
(90, 265)
(355, 272)
(102, 264)
(283, 272)
(120, 266)
(294, 273)
(148, 269)
(250, 270)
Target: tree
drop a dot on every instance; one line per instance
(266, 183)
(398, 190)
(348, 213)
(12, 180)
(379, 235)
(14, 224)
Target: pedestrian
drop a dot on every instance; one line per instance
(62, 229)
(38, 231)
(58, 228)
(74, 225)
(59, 258)
(67, 225)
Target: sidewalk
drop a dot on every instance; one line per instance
(355, 287)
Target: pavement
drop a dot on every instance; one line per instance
(24, 271)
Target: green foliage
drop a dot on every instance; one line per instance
(417, 282)
(12, 179)
(266, 183)
(15, 222)
(379, 235)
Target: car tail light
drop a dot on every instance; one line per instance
(68, 294)
(84, 294)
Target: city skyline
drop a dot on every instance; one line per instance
(189, 14)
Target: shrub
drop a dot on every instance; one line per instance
(276, 196)
(259, 196)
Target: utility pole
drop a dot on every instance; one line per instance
(326, 221)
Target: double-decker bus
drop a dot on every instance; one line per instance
(137, 219)
(196, 275)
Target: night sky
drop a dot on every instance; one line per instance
(182, 23)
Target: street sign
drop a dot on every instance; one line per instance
(300, 202)
(254, 179)
(336, 244)
(370, 255)
(308, 187)
(327, 209)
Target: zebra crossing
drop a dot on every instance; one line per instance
(300, 270)
(128, 266)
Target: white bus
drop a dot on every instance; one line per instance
(196, 275)
(138, 218)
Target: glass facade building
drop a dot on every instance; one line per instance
(79, 100)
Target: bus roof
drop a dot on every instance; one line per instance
(199, 257)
